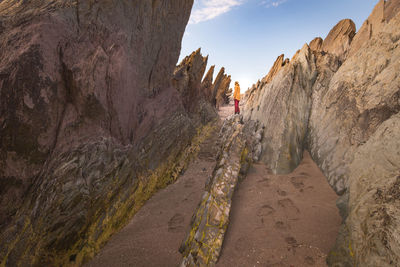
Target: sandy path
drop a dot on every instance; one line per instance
(286, 220)
(282, 220)
(153, 236)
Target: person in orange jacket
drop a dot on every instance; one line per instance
(236, 97)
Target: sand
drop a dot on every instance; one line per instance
(276, 220)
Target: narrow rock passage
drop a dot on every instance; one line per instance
(281, 220)
(276, 220)
(153, 236)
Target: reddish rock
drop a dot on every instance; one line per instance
(87, 115)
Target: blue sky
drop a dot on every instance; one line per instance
(246, 36)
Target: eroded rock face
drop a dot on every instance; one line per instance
(237, 149)
(347, 106)
(90, 123)
(316, 44)
(207, 83)
(187, 78)
(339, 38)
(383, 12)
(283, 107)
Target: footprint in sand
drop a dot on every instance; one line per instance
(281, 192)
(265, 211)
(291, 241)
(264, 182)
(309, 260)
(242, 244)
(288, 205)
(175, 223)
(280, 225)
(298, 181)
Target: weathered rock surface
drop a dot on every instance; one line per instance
(274, 70)
(339, 39)
(316, 44)
(251, 95)
(238, 148)
(223, 91)
(283, 107)
(91, 125)
(187, 79)
(207, 84)
(338, 106)
(383, 12)
(220, 88)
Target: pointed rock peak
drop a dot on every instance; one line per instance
(316, 44)
(383, 12)
(209, 76)
(279, 63)
(221, 71)
(339, 38)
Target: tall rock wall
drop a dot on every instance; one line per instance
(90, 123)
(344, 110)
(283, 108)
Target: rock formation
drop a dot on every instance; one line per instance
(238, 148)
(207, 84)
(91, 125)
(250, 94)
(187, 78)
(223, 91)
(217, 93)
(341, 101)
(339, 39)
(316, 44)
(383, 12)
(220, 88)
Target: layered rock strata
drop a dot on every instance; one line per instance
(337, 99)
(187, 78)
(220, 88)
(91, 125)
(203, 243)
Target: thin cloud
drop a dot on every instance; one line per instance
(204, 10)
(272, 3)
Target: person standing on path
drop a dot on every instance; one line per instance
(236, 97)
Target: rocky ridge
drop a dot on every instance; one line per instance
(336, 98)
(239, 146)
(91, 125)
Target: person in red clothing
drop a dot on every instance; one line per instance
(236, 97)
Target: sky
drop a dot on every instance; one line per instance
(246, 36)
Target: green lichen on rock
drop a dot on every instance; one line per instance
(93, 192)
(203, 243)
